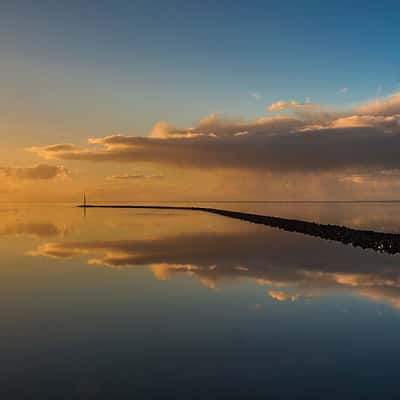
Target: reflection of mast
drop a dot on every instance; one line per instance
(84, 204)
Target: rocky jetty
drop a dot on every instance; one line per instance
(378, 241)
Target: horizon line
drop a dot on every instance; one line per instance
(200, 201)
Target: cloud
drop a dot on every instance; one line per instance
(285, 105)
(282, 296)
(388, 106)
(316, 150)
(134, 177)
(255, 95)
(311, 140)
(343, 90)
(41, 171)
(385, 123)
(164, 271)
(215, 125)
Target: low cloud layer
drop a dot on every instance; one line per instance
(134, 177)
(310, 140)
(41, 171)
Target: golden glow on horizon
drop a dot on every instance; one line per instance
(218, 158)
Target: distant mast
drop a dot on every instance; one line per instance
(84, 199)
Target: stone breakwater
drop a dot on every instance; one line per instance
(378, 241)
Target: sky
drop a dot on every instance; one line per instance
(187, 100)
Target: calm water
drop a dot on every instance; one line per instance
(135, 304)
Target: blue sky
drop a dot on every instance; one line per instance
(123, 65)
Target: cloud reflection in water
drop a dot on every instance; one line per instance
(300, 267)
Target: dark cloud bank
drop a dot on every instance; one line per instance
(312, 140)
(38, 172)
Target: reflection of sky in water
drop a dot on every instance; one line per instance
(194, 305)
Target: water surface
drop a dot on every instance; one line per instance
(178, 304)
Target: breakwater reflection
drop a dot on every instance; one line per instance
(366, 239)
